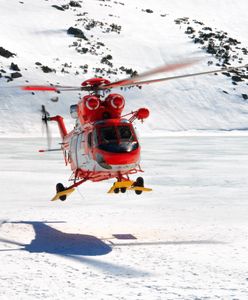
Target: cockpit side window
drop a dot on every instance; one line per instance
(108, 134)
(125, 134)
(90, 139)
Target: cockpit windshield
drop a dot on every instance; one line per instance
(119, 139)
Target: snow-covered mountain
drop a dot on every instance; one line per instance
(113, 39)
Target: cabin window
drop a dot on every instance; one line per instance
(125, 134)
(108, 135)
(90, 139)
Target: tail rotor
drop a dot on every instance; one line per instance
(45, 117)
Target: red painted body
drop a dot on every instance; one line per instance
(103, 144)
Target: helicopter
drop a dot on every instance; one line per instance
(104, 144)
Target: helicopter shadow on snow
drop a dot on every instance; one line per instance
(50, 240)
(76, 247)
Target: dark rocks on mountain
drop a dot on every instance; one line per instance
(198, 22)
(207, 28)
(206, 36)
(84, 50)
(14, 67)
(46, 69)
(198, 41)
(211, 48)
(15, 75)
(38, 63)
(184, 20)
(8, 78)
(115, 28)
(225, 92)
(77, 33)
(149, 11)
(105, 60)
(245, 51)
(6, 53)
(3, 71)
(130, 71)
(74, 4)
(226, 74)
(236, 78)
(65, 6)
(58, 7)
(245, 96)
(189, 30)
(232, 41)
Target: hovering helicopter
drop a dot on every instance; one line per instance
(103, 143)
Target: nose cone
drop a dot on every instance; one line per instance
(110, 158)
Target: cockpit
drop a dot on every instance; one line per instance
(115, 138)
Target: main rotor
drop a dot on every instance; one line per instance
(100, 84)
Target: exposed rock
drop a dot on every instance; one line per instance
(58, 7)
(38, 63)
(149, 11)
(46, 69)
(16, 75)
(77, 33)
(245, 96)
(65, 6)
(207, 28)
(236, 78)
(226, 74)
(14, 67)
(189, 30)
(6, 53)
(74, 4)
(105, 60)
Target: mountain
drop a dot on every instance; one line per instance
(61, 42)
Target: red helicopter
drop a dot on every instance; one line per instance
(103, 143)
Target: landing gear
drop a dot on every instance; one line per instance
(61, 188)
(139, 182)
(123, 190)
(124, 184)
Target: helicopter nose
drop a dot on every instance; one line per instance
(108, 159)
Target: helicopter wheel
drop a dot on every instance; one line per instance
(123, 190)
(139, 182)
(116, 190)
(60, 188)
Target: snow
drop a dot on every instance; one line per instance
(188, 237)
(185, 240)
(36, 32)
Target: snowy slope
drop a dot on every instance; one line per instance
(37, 32)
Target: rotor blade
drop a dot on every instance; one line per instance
(39, 88)
(48, 88)
(182, 76)
(132, 80)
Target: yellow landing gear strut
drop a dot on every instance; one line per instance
(123, 186)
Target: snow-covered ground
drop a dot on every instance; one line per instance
(185, 240)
